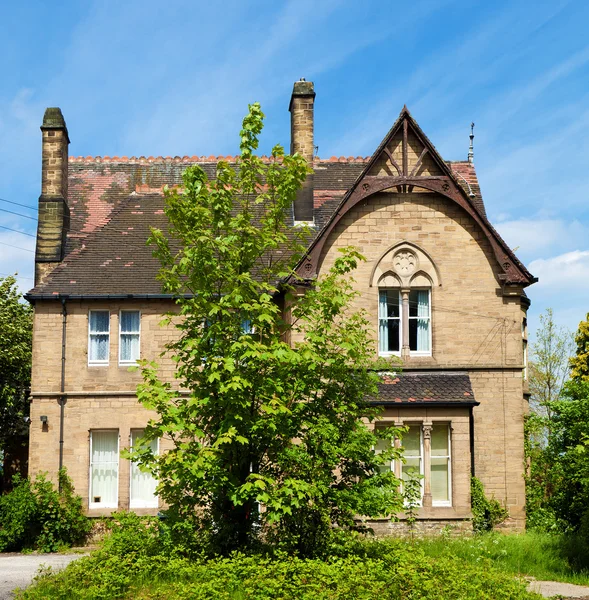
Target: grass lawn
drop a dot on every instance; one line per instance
(549, 557)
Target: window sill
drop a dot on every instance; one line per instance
(100, 505)
(98, 364)
(413, 354)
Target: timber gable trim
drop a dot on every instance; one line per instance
(445, 184)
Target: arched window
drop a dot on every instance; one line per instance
(404, 280)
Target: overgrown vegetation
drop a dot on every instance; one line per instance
(486, 512)
(557, 434)
(16, 327)
(35, 516)
(137, 562)
(266, 421)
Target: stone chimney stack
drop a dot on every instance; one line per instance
(302, 141)
(54, 213)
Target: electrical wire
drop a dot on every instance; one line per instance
(17, 247)
(18, 204)
(19, 214)
(15, 276)
(17, 231)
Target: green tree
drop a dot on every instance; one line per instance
(568, 457)
(580, 362)
(274, 402)
(549, 364)
(16, 330)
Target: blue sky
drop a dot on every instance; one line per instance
(175, 77)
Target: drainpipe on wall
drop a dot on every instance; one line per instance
(62, 396)
(471, 435)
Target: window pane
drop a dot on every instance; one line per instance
(412, 442)
(413, 303)
(440, 440)
(411, 464)
(392, 335)
(99, 321)
(143, 483)
(246, 327)
(129, 347)
(98, 347)
(379, 447)
(104, 467)
(393, 303)
(439, 480)
(130, 321)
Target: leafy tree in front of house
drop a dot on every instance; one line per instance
(16, 333)
(269, 436)
(580, 362)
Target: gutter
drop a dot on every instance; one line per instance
(33, 297)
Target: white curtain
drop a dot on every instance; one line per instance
(98, 343)
(423, 320)
(440, 461)
(143, 483)
(383, 337)
(129, 336)
(105, 467)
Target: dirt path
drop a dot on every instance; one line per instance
(18, 570)
(548, 589)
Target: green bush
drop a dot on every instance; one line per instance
(34, 515)
(390, 569)
(486, 512)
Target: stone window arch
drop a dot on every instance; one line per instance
(405, 276)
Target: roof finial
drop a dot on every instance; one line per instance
(471, 148)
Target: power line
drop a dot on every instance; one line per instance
(15, 275)
(19, 214)
(18, 204)
(17, 231)
(17, 247)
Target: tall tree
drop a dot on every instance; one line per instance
(277, 383)
(580, 362)
(549, 363)
(16, 331)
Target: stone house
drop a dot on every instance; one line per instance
(445, 293)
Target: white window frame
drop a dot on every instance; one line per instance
(127, 363)
(449, 457)
(400, 319)
(419, 425)
(98, 363)
(92, 504)
(415, 353)
(134, 504)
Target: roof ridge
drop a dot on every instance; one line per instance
(197, 159)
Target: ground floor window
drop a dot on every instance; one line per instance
(427, 451)
(143, 483)
(104, 468)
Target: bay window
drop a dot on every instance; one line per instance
(426, 450)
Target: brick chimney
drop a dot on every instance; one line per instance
(54, 213)
(302, 141)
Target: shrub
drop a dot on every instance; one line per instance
(486, 512)
(34, 515)
(389, 569)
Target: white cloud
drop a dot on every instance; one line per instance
(565, 273)
(533, 236)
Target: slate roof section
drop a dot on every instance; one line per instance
(429, 388)
(114, 201)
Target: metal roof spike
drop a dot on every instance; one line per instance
(471, 147)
